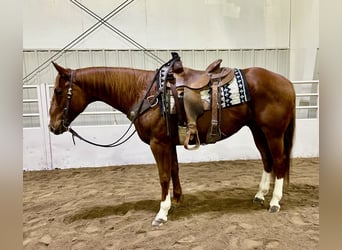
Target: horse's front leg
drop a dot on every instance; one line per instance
(177, 189)
(162, 152)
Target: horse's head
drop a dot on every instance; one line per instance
(68, 100)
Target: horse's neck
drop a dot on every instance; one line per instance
(120, 88)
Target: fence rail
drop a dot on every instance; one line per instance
(98, 113)
(307, 99)
(31, 106)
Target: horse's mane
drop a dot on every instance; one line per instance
(93, 74)
(123, 84)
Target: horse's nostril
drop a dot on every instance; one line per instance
(52, 129)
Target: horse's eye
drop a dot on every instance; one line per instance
(58, 91)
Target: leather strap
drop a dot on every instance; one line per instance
(214, 132)
(179, 108)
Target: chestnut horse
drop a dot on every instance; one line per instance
(270, 115)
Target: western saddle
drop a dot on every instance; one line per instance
(189, 83)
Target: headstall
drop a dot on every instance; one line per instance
(65, 120)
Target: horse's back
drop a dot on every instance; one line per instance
(262, 79)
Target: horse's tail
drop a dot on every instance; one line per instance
(288, 143)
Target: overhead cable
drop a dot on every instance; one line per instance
(78, 39)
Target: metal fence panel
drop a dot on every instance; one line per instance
(273, 59)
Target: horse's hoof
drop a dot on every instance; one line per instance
(258, 200)
(274, 209)
(158, 222)
(175, 203)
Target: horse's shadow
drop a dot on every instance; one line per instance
(227, 200)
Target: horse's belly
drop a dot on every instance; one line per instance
(231, 120)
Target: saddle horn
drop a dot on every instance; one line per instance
(177, 66)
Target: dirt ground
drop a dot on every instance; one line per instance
(113, 207)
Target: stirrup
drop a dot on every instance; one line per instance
(214, 133)
(190, 133)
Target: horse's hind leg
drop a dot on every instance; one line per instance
(271, 147)
(280, 168)
(262, 145)
(280, 145)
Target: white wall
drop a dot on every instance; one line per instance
(170, 24)
(304, 39)
(66, 155)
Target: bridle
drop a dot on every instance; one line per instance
(65, 121)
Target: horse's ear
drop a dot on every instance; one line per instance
(62, 71)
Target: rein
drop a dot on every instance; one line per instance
(119, 141)
(111, 145)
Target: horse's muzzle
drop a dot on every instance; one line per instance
(57, 131)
